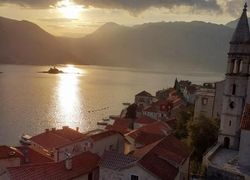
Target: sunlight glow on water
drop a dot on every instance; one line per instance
(31, 102)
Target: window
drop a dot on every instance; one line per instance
(134, 177)
(230, 123)
(231, 105)
(235, 67)
(241, 66)
(204, 101)
(234, 89)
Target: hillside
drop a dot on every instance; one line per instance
(172, 46)
(23, 42)
(166, 46)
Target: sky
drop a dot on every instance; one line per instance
(77, 18)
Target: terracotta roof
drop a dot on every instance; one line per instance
(144, 93)
(7, 152)
(141, 152)
(56, 170)
(144, 138)
(50, 140)
(57, 138)
(144, 120)
(33, 156)
(159, 167)
(69, 133)
(158, 128)
(120, 125)
(116, 161)
(245, 120)
(164, 157)
(102, 135)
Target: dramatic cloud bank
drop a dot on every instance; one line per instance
(138, 6)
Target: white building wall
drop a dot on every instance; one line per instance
(115, 142)
(204, 109)
(73, 149)
(218, 99)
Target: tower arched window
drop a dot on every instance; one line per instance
(230, 123)
(235, 69)
(240, 66)
(232, 66)
(234, 89)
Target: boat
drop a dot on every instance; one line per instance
(25, 139)
(126, 104)
(105, 119)
(102, 123)
(53, 70)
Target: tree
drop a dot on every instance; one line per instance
(203, 133)
(183, 117)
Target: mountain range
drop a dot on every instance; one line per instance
(174, 46)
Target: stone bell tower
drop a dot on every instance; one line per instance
(236, 83)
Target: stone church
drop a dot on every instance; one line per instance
(230, 157)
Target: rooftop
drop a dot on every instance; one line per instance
(57, 137)
(33, 156)
(144, 93)
(163, 157)
(120, 125)
(56, 170)
(103, 135)
(116, 161)
(7, 152)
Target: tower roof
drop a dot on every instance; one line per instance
(241, 33)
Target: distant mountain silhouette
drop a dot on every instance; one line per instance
(173, 46)
(22, 42)
(233, 24)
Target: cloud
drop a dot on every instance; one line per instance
(234, 7)
(133, 6)
(31, 3)
(137, 6)
(58, 20)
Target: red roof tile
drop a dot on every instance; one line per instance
(120, 125)
(102, 135)
(144, 93)
(7, 152)
(81, 165)
(158, 128)
(69, 133)
(245, 120)
(164, 157)
(50, 140)
(33, 156)
(57, 138)
(144, 120)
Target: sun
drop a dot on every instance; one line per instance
(69, 9)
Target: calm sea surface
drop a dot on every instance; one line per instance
(31, 102)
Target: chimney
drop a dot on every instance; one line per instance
(65, 127)
(68, 161)
(46, 130)
(77, 129)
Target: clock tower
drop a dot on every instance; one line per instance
(236, 83)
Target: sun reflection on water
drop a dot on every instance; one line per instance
(68, 96)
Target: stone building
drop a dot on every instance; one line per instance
(230, 157)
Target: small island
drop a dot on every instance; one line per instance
(53, 70)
